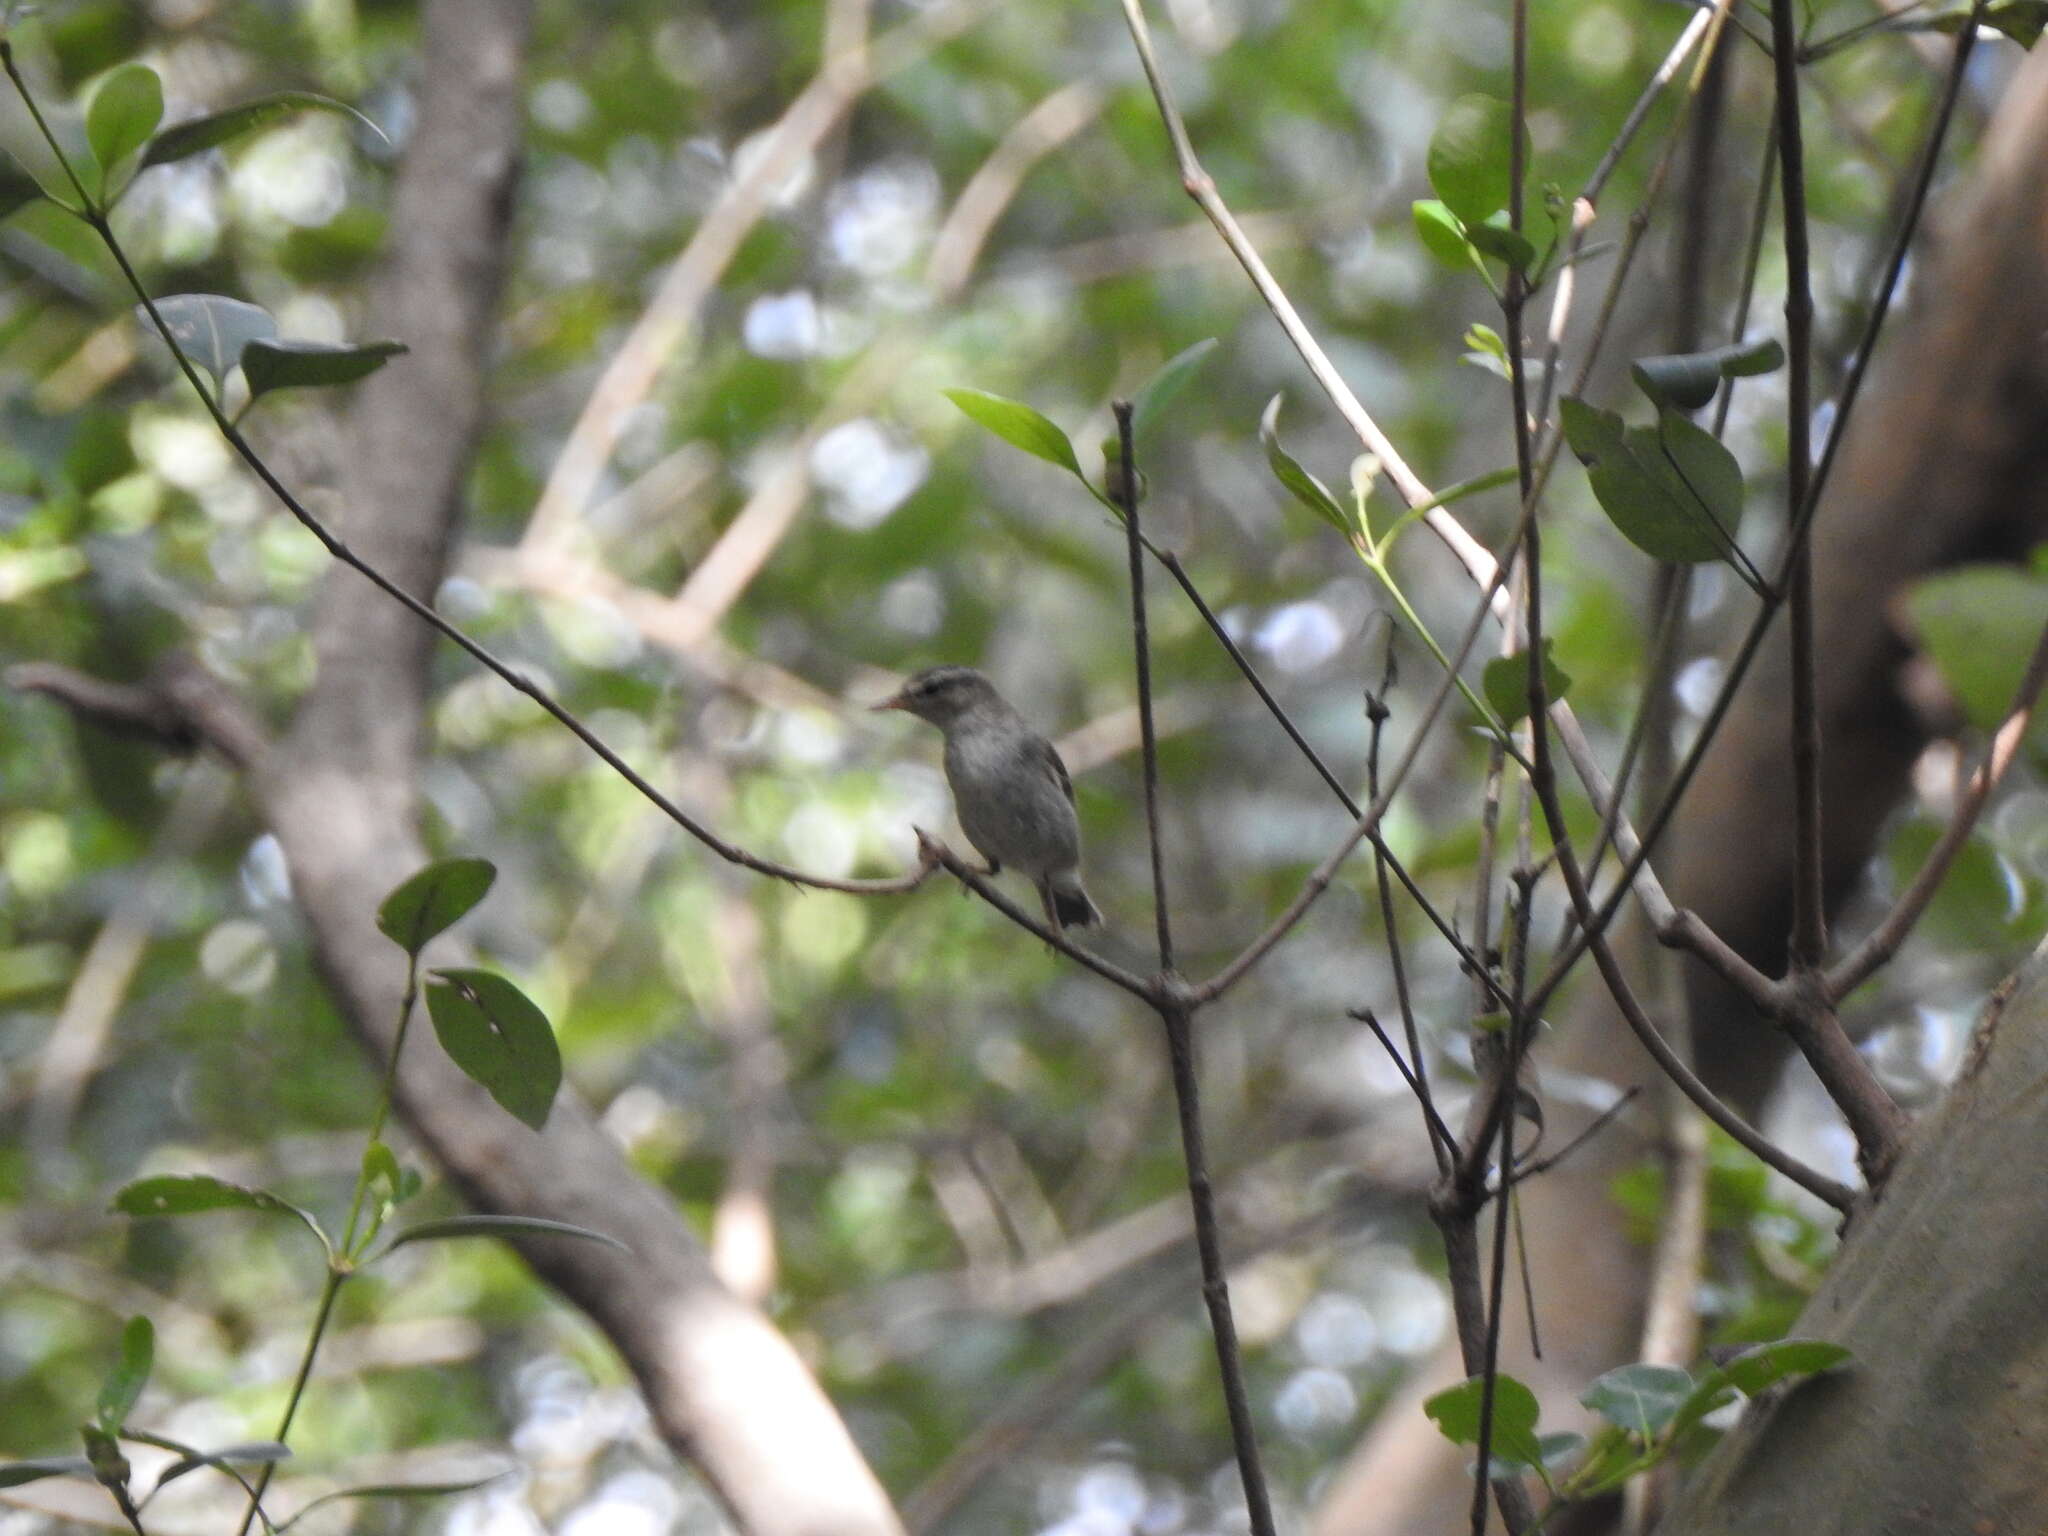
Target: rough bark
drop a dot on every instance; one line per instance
(1941, 1421)
(1945, 462)
(726, 1388)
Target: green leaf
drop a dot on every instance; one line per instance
(1486, 350)
(1641, 1399)
(1159, 391)
(124, 113)
(380, 1166)
(2021, 20)
(256, 1452)
(14, 1473)
(1505, 682)
(1768, 1364)
(499, 1226)
(491, 1030)
(434, 900)
(269, 365)
(1689, 380)
(1303, 486)
(1468, 158)
(1443, 234)
(1020, 426)
(392, 1491)
(189, 1194)
(130, 1374)
(212, 330)
(1456, 1412)
(183, 140)
(1496, 239)
(1977, 623)
(1664, 487)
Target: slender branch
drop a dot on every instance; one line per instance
(1180, 1052)
(1127, 494)
(1439, 1133)
(936, 855)
(1752, 640)
(1891, 931)
(1809, 912)
(1467, 955)
(323, 1313)
(1593, 936)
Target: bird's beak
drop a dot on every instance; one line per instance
(893, 702)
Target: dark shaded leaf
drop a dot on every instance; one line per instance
(14, 1473)
(1303, 486)
(1664, 487)
(183, 140)
(1496, 239)
(130, 1374)
(394, 1491)
(499, 1226)
(492, 1030)
(269, 365)
(1689, 380)
(256, 1452)
(1505, 683)
(434, 900)
(212, 330)
(1020, 426)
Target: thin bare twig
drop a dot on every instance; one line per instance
(1134, 539)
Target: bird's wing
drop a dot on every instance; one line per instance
(1042, 748)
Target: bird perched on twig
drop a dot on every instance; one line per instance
(1012, 793)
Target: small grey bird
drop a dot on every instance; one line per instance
(1015, 801)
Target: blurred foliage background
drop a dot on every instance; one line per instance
(965, 1156)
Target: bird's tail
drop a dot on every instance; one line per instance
(1066, 904)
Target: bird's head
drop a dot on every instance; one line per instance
(942, 695)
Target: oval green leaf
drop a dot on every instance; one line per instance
(492, 1030)
(124, 113)
(191, 1193)
(1639, 1398)
(1457, 1410)
(1468, 158)
(1443, 235)
(1505, 683)
(1496, 239)
(434, 900)
(183, 140)
(1020, 426)
(1973, 622)
(269, 365)
(129, 1375)
(1672, 490)
(211, 330)
(392, 1491)
(1298, 482)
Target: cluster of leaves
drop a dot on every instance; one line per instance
(496, 1035)
(83, 157)
(1653, 1413)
